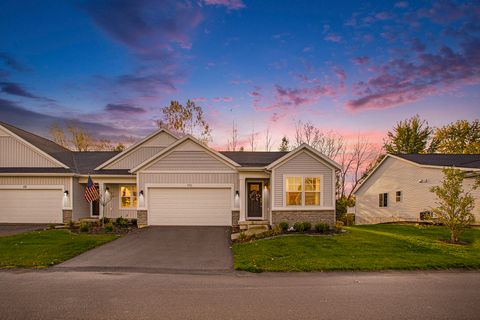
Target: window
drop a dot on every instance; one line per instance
(128, 196)
(398, 196)
(383, 200)
(294, 191)
(302, 191)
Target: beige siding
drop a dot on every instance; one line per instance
(143, 152)
(81, 208)
(8, 180)
(397, 175)
(303, 164)
(189, 161)
(14, 153)
(112, 210)
(134, 158)
(181, 178)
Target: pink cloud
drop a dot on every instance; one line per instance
(333, 37)
(401, 81)
(199, 99)
(222, 99)
(229, 4)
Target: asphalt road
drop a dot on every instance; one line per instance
(94, 295)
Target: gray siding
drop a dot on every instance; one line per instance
(14, 153)
(189, 161)
(81, 208)
(8, 180)
(181, 178)
(134, 158)
(303, 163)
(397, 175)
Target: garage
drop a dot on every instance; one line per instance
(190, 206)
(31, 205)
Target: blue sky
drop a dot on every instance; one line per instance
(354, 68)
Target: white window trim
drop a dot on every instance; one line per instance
(303, 176)
(131, 197)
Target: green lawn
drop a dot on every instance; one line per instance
(39, 249)
(374, 247)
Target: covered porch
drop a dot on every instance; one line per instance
(119, 197)
(255, 200)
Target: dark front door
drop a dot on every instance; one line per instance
(254, 199)
(95, 206)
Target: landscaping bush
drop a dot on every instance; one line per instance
(298, 226)
(109, 227)
(339, 226)
(242, 237)
(349, 219)
(85, 226)
(71, 224)
(307, 226)
(283, 226)
(106, 220)
(51, 226)
(322, 227)
(121, 222)
(133, 222)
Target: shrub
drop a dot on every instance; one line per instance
(109, 227)
(277, 230)
(242, 237)
(133, 222)
(307, 226)
(339, 226)
(51, 226)
(349, 219)
(85, 226)
(121, 222)
(106, 220)
(283, 226)
(298, 226)
(71, 224)
(322, 227)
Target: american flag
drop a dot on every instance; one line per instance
(91, 192)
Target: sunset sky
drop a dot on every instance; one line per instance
(352, 67)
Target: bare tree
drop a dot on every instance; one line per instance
(252, 139)
(103, 145)
(268, 140)
(58, 135)
(232, 142)
(327, 143)
(81, 139)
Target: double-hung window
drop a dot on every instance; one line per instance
(128, 196)
(383, 200)
(398, 196)
(303, 191)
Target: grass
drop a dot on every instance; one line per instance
(40, 249)
(374, 247)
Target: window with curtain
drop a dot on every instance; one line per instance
(294, 191)
(128, 196)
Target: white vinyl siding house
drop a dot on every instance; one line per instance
(395, 175)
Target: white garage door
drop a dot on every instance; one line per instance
(30, 206)
(190, 207)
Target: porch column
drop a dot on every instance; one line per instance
(242, 199)
(101, 189)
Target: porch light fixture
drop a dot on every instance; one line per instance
(237, 193)
(141, 192)
(65, 193)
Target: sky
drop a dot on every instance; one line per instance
(350, 67)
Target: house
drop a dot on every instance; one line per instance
(398, 188)
(163, 180)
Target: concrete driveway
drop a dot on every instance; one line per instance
(161, 249)
(13, 229)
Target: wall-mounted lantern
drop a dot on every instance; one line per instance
(237, 193)
(141, 192)
(65, 193)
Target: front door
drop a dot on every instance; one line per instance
(254, 200)
(95, 206)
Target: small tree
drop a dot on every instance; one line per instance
(284, 146)
(454, 205)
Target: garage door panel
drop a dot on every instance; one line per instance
(195, 206)
(30, 206)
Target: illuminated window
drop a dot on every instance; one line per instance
(128, 196)
(304, 191)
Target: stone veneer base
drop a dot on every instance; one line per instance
(67, 216)
(312, 216)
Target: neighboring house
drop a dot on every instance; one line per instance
(163, 180)
(398, 189)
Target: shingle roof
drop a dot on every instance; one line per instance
(87, 161)
(254, 158)
(444, 160)
(51, 148)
